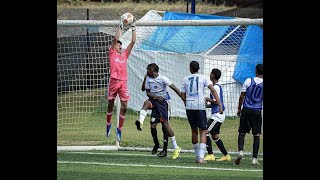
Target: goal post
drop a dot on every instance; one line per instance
(83, 75)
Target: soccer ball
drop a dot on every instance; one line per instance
(127, 18)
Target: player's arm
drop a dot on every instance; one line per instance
(117, 36)
(241, 98)
(173, 87)
(216, 97)
(143, 87)
(133, 38)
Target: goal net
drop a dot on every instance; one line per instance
(83, 76)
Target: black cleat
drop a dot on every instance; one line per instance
(155, 150)
(138, 125)
(163, 153)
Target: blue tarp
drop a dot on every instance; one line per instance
(198, 39)
(250, 54)
(194, 39)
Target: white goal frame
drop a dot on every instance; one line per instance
(114, 23)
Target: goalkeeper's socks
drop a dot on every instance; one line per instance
(209, 145)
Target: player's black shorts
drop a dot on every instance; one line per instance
(197, 118)
(162, 107)
(213, 126)
(155, 116)
(250, 119)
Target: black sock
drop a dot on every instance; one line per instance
(256, 142)
(220, 145)
(165, 138)
(241, 141)
(155, 136)
(209, 145)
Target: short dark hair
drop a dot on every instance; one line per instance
(216, 73)
(194, 65)
(259, 69)
(119, 42)
(154, 66)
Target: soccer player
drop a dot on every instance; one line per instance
(193, 94)
(216, 119)
(118, 78)
(155, 119)
(250, 100)
(156, 89)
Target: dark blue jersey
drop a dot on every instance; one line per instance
(215, 107)
(254, 96)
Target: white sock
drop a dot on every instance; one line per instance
(143, 115)
(202, 150)
(196, 150)
(174, 142)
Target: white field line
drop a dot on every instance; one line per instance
(161, 166)
(145, 155)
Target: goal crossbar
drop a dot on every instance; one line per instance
(216, 22)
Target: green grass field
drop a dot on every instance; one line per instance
(142, 165)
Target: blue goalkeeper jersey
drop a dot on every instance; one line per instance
(215, 107)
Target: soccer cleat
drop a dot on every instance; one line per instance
(255, 161)
(155, 149)
(162, 153)
(225, 158)
(139, 125)
(210, 157)
(118, 134)
(240, 156)
(176, 153)
(108, 132)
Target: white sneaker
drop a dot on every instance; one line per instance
(240, 156)
(255, 161)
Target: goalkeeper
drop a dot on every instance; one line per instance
(117, 85)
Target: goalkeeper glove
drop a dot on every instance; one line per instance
(121, 25)
(133, 24)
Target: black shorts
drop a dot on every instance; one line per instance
(213, 126)
(250, 119)
(197, 118)
(155, 116)
(162, 107)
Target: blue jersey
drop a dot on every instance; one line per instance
(215, 107)
(254, 96)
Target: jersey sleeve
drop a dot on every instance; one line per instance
(246, 84)
(167, 81)
(183, 87)
(147, 86)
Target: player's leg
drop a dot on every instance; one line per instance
(109, 116)
(163, 153)
(215, 131)
(243, 129)
(202, 125)
(124, 98)
(112, 93)
(153, 127)
(209, 156)
(256, 131)
(143, 113)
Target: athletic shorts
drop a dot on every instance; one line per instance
(213, 126)
(162, 107)
(118, 87)
(250, 119)
(155, 115)
(197, 118)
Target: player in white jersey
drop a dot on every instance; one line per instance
(216, 120)
(193, 94)
(155, 119)
(156, 88)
